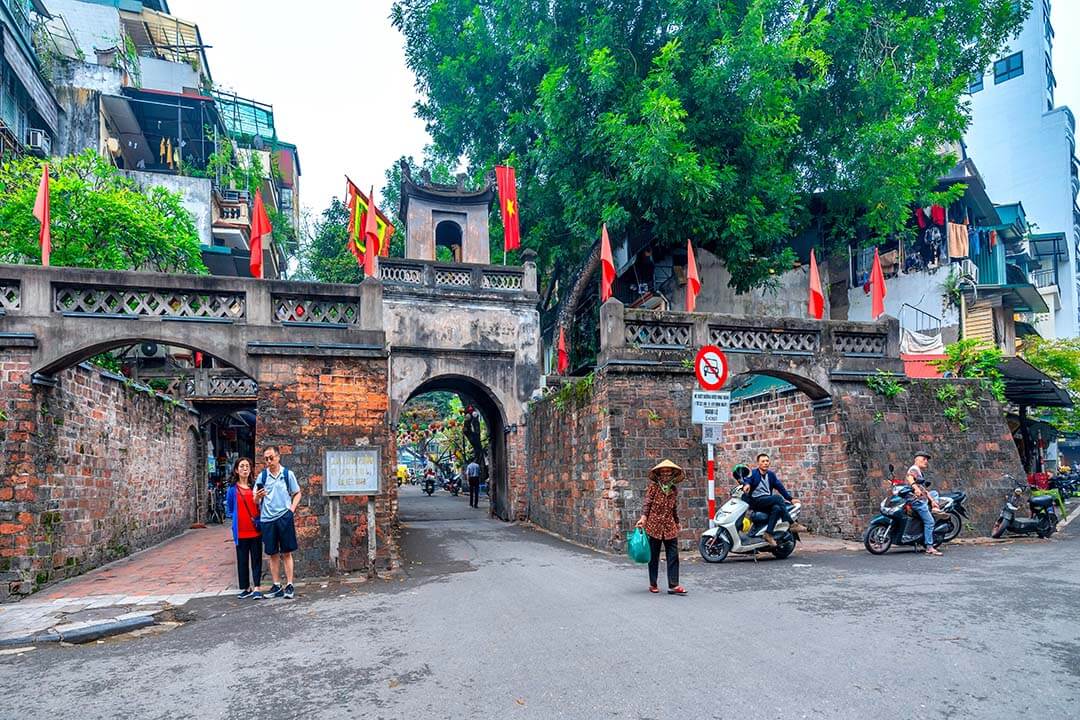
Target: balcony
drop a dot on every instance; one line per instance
(232, 217)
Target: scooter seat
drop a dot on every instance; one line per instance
(759, 517)
(1042, 501)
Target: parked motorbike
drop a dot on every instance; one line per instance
(453, 485)
(953, 503)
(737, 529)
(898, 524)
(1043, 521)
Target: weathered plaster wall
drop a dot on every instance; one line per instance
(194, 193)
(923, 290)
(90, 470)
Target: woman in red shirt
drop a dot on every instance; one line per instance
(660, 518)
(240, 502)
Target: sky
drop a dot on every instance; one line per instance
(314, 67)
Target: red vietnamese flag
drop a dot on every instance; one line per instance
(877, 289)
(816, 302)
(260, 228)
(607, 266)
(508, 204)
(564, 357)
(371, 235)
(41, 212)
(693, 282)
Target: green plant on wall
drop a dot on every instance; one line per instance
(884, 383)
(576, 393)
(973, 358)
(958, 402)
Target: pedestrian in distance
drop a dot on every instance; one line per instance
(472, 472)
(244, 511)
(660, 519)
(278, 495)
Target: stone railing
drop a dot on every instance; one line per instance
(10, 295)
(219, 385)
(623, 328)
(187, 304)
(301, 310)
(458, 276)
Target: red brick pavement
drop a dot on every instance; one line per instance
(199, 561)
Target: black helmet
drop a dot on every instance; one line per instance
(740, 472)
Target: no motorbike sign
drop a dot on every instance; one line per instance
(711, 367)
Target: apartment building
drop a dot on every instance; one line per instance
(29, 113)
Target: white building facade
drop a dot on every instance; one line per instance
(1025, 148)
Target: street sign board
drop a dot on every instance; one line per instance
(712, 434)
(351, 471)
(710, 408)
(711, 367)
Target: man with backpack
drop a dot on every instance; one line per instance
(278, 495)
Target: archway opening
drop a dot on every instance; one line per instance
(448, 239)
(445, 425)
(782, 416)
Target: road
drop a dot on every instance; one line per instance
(491, 620)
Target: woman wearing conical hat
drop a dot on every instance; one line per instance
(660, 519)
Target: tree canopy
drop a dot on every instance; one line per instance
(100, 218)
(715, 120)
(1060, 359)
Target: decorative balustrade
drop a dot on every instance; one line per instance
(207, 385)
(294, 309)
(765, 340)
(10, 295)
(453, 276)
(666, 335)
(854, 344)
(127, 302)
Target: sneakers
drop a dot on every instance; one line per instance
(244, 595)
(256, 595)
(288, 592)
(275, 591)
(796, 528)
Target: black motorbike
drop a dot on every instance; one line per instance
(453, 485)
(429, 485)
(898, 524)
(1043, 521)
(953, 503)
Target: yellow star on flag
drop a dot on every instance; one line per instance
(509, 206)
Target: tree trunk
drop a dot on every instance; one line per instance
(569, 307)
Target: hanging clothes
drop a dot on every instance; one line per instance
(958, 240)
(168, 152)
(993, 238)
(937, 214)
(920, 218)
(975, 244)
(161, 152)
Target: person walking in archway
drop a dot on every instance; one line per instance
(244, 510)
(472, 472)
(660, 519)
(278, 495)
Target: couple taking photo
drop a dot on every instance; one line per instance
(262, 509)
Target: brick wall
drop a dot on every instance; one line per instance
(590, 458)
(90, 470)
(306, 405)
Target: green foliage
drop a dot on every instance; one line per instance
(713, 120)
(107, 361)
(973, 358)
(1060, 359)
(575, 393)
(100, 218)
(326, 256)
(884, 384)
(958, 402)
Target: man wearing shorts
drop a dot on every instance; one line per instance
(278, 495)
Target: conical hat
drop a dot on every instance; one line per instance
(666, 464)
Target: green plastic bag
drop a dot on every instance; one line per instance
(637, 547)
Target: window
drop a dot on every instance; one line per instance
(1008, 68)
(976, 84)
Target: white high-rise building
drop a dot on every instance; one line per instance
(1025, 148)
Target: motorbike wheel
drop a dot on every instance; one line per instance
(714, 549)
(954, 528)
(1046, 527)
(999, 528)
(784, 549)
(877, 539)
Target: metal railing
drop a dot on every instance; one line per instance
(1043, 278)
(914, 319)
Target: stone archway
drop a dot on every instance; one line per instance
(475, 393)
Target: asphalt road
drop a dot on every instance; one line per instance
(501, 621)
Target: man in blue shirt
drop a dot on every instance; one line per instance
(278, 495)
(758, 493)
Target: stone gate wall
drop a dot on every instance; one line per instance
(90, 470)
(590, 452)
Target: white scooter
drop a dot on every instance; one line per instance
(730, 533)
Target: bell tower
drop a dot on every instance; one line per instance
(445, 215)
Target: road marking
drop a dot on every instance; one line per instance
(1070, 518)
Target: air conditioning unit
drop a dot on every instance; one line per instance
(152, 350)
(38, 142)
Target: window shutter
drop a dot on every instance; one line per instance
(979, 325)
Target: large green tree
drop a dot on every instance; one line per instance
(716, 120)
(100, 218)
(1060, 359)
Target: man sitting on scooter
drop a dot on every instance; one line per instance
(758, 493)
(924, 502)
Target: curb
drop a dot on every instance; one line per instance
(83, 634)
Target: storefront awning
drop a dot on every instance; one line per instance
(1027, 385)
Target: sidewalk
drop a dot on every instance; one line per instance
(126, 594)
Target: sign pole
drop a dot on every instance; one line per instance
(371, 535)
(335, 531)
(711, 466)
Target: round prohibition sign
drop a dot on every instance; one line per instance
(711, 366)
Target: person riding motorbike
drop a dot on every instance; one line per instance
(924, 503)
(758, 493)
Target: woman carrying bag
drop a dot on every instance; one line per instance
(660, 519)
(241, 505)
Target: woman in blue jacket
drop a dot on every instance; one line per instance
(240, 504)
